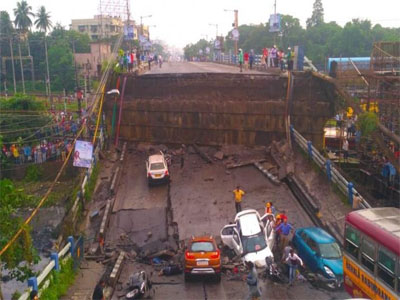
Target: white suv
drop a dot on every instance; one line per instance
(248, 237)
(157, 169)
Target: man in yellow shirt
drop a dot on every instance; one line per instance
(238, 198)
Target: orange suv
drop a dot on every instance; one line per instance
(202, 257)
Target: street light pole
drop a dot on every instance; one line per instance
(216, 28)
(236, 25)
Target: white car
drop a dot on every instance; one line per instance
(248, 237)
(157, 169)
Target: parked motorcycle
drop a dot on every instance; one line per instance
(273, 271)
(139, 286)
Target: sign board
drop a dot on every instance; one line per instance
(83, 154)
(217, 44)
(129, 33)
(235, 34)
(275, 23)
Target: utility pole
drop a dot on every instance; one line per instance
(77, 87)
(236, 27)
(12, 64)
(275, 16)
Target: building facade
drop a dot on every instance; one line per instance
(99, 27)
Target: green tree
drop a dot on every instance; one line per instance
(44, 24)
(6, 33)
(317, 17)
(61, 62)
(23, 23)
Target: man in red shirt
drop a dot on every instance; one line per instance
(246, 60)
(265, 56)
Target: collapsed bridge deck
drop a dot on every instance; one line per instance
(221, 108)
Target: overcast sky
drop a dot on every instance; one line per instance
(179, 22)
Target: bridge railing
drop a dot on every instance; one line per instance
(326, 165)
(73, 249)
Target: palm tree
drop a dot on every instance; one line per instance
(6, 32)
(23, 22)
(43, 23)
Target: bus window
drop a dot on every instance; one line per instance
(386, 266)
(368, 254)
(352, 241)
(398, 276)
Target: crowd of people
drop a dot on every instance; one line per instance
(49, 143)
(271, 58)
(130, 60)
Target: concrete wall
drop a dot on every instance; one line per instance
(220, 108)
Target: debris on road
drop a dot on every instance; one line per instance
(219, 155)
(202, 154)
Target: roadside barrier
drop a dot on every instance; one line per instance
(73, 249)
(326, 165)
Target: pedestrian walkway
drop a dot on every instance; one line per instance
(88, 276)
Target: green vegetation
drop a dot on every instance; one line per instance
(319, 39)
(12, 199)
(368, 123)
(33, 173)
(60, 281)
(92, 182)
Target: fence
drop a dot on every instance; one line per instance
(325, 164)
(71, 249)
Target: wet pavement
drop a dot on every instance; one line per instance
(201, 201)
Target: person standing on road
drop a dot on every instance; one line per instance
(252, 282)
(238, 198)
(98, 291)
(294, 261)
(251, 59)
(246, 60)
(285, 228)
(241, 60)
(345, 148)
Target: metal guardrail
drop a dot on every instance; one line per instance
(54, 264)
(332, 173)
(67, 251)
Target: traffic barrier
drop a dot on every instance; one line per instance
(346, 187)
(57, 260)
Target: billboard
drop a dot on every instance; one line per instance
(129, 33)
(83, 154)
(275, 23)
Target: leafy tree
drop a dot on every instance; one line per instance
(6, 33)
(61, 62)
(43, 23)
(317, 17)
(23, 23)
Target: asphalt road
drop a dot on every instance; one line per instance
(197, 67)
(202, 202)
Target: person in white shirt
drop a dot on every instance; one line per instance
(293, 261)
(345, 148)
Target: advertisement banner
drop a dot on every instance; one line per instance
(275, 23)
(83, 154)
(129, 32)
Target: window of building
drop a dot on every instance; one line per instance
(93, 28)
(386, 266)
(368, 254)
(95, 37)
(81, 28)
(352, 241)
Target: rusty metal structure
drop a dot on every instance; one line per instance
(384, 78)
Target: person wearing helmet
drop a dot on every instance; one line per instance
(240, 55)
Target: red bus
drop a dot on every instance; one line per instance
(371, 265)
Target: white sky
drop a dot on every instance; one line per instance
(179, 22)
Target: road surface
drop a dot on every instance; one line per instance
(201, 202)
(198, 67)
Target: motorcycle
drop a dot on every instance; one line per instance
(139, 286)
(273, 272)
